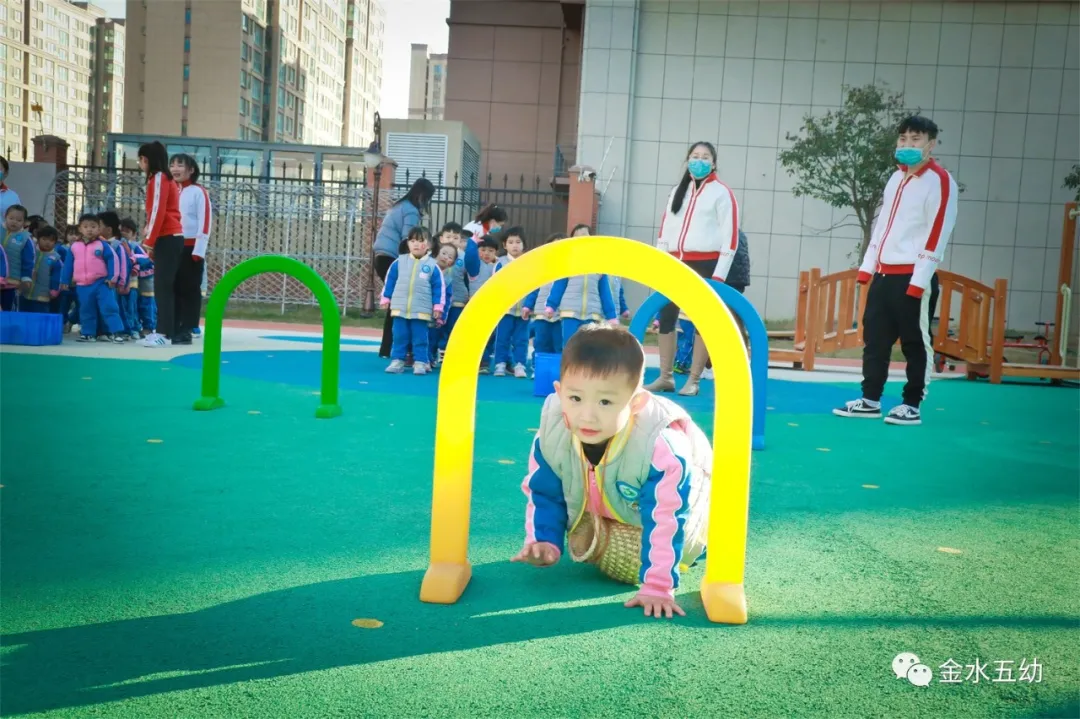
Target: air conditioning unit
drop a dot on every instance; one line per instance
(445, 152)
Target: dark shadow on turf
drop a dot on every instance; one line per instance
(296, 630)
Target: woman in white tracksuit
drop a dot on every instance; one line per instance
(700, 227)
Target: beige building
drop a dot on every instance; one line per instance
(427, 85)
(249, 69)
(366, 23)
(47, 77)
(107, 88)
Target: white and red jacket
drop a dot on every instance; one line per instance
(706, 227)
(162, 208)
(918, 213)
(195, 217)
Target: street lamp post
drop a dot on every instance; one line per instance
(373, 160)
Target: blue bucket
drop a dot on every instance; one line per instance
(545, 373)
(30, 329)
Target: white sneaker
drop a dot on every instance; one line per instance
(859, 408)
(707, 373)
(420, 368)
(118, 339)
(155, 340)
(396, 367)
(519, 371)
(500, 369)
(904, 414)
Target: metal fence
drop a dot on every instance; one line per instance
(324, 224)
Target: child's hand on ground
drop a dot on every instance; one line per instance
(656, 606)
(538, 554)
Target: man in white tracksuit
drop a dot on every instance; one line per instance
(918, 214)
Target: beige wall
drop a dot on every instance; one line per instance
(512, 77)
(157, 92)
(214, 88)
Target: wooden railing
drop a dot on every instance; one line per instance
(978, 302)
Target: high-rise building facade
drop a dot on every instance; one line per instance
(47, 74)
(427, 84)
(107, 86)
(251, 69)
(365, 25)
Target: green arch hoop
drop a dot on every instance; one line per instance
(215, 314)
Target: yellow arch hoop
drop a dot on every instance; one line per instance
(449, 571)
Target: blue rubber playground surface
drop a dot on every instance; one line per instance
(363, 371)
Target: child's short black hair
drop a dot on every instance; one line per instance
(111, 220)
(47, 232)
(508, 232)
(553, 237)
(16, 208)
(920, 124)
(129, 224)
(602, 350)
(491, 241)
(34, 222)
(88, 217)
(451, 227)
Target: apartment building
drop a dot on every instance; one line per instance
(252, 70)
(47, 73)
(427, 84)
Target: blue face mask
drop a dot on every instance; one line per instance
(699, 169)
(908, 155)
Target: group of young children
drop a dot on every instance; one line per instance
(429, 284)
(97, 275)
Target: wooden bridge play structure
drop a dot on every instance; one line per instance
(829, 311)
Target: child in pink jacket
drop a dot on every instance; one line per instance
(93, 268)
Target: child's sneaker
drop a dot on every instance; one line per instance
(681, 368)
(904, 414)
(135, 337)
(500, 369)
(519, 371)
(85, 338)
(196, 332)
(155, 340)
(117, 339)
(67, 327)
(483, 366)
(396, 367)
(420, 368)
(859, 408)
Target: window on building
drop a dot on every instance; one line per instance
(281, 97)
(241, 133)
(259, 36)
(243, 106)
(243, 79)
(288, 125)
(183, 128)
(292, 75)
(187, 16)
(184, 101)
(256, 87)
(258, 60)
(187, 44)
(291, 99)
(245, 51)
(280, 122)
(187, 72)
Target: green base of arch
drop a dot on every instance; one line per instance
(206, 404)
(328, 411)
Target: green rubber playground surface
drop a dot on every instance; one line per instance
(158, 562)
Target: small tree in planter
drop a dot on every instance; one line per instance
(845, 157)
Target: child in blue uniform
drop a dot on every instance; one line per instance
(91, 268)
(446, 258)
(618, 474)
(143, 267)
(512, 332)
(127, 295)
(41, 296)
(19, 247)
(546, 329)
(415, 293)
(581, 299)
(480, 267)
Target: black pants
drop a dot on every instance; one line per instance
(168, 252)
(893, 314)
(669, 315)
(382, 266)
(188, 293)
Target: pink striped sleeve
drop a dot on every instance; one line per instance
(664, 517)
(530, 505)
